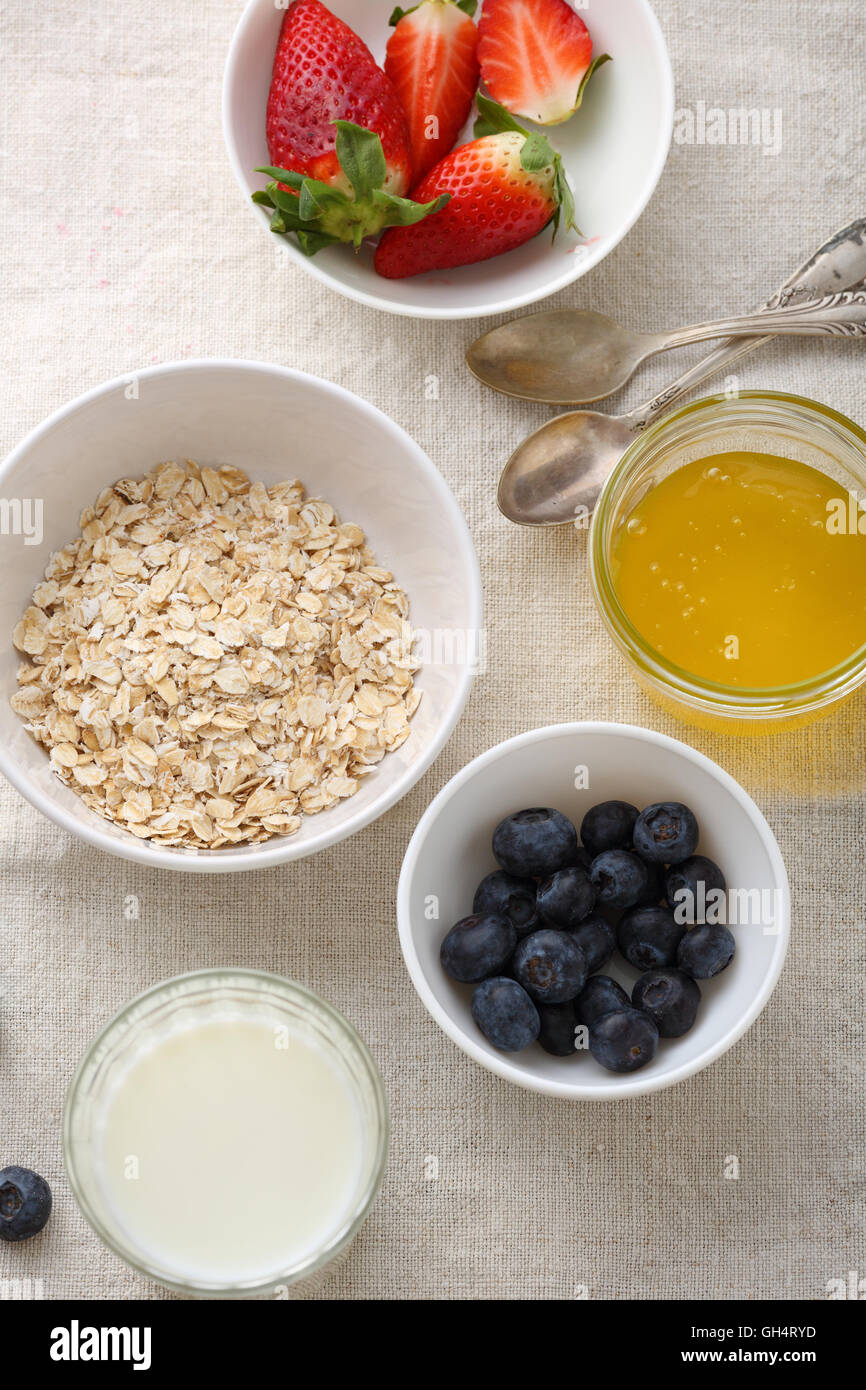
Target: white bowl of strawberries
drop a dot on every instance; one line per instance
(440, 166)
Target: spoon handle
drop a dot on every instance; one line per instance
(841, 260)
(834, 314)
(709, 366)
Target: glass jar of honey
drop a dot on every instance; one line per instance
(728, 560)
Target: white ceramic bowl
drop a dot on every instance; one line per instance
(614, 152)
(450, 852)
(275, 424)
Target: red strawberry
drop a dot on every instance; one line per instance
(337, 136)
(505, 188)
(432, 61)
(536, 57)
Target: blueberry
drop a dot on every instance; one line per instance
(566, 898)
(25, 1203)
(623, 1040)
(656, 887)
(666, 833)
(670, 998)
(600, 995)
(683, 888)
(610, 825)
(550, 966)
(648, 937)
(597, 939)
(706, 951)
(505, 1014)
(583, 858)
(557, 1028)
(477, 947)
(509, 897)
(535, 843)
(620, 878)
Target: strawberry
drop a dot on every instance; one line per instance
(505, 187)
(536, 57)
(432, 61)
(337, 136)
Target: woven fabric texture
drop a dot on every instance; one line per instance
(125, 242)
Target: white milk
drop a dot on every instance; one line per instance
(231, 1149)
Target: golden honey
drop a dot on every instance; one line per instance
(745, 569)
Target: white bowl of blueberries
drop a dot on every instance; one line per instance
(594, 911)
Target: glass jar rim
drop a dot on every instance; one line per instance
(359, 1209)
(825, 686)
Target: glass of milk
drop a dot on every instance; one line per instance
(226, 1133)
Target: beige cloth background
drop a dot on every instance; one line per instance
(125, 242)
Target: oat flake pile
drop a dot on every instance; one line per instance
(211, 659)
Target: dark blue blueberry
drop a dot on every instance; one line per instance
(648, 937)
(656, 887)
(25, 1203)
(557, 1028)
(511, 897)
(706, 951)
(620, 879)
(609, 825)
(597, 939)
(623, 1040)
(600, 995)
(566, 898)
(583, 858)
(505, 1014)
(477, 947)
(687, 886)
(666, 833)
(550, 966)
(535, 843)
(670, 998)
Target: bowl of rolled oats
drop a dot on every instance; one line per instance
(243, 615)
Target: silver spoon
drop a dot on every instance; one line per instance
(572, 356)
(562, 467)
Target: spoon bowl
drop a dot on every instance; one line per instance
(555, 476)
(560, 357)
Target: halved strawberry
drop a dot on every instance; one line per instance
(337, 136)
(536, 57)
(432, 60)
(504, 187)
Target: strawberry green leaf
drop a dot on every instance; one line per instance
(593, 67)
(537, 153)
(286, 176)
(323, 192)
(402, 212)
(468, 7)
(564, 199)
(286, 202)
(262, 198)
(277, 223)
(493, 118)
(286, 212)
(316, 198)
(308, 207)
(361, 158)
(311, 242)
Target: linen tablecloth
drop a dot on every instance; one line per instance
(125, 242)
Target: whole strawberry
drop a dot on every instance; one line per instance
(505, 187)
(337, 136)
(432, 60)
